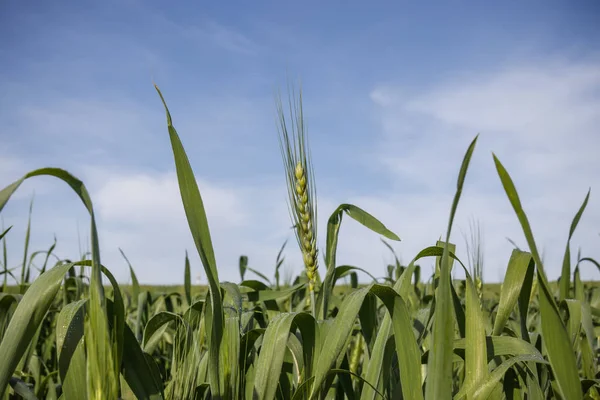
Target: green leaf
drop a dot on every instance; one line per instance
(369, 320)
(579, 289)
(140, 370)
(8, 303)
(143, 309)
(187, 280)
(24, 269)
(99, 350)
(333, 229)
(483, 391)
(156, 327)
(270, 359)
(48, 253)
(27, 318)
(368, 221)
(407, 350)
(243, 265)
(118, 313)
(498, 346)
(380, 361)
(234, 296)
(590, 260)
(439, 368)
(71, 352)
(229, 354)
(193, 314)
(406, 345)
(5, 232)
(588, 327)
(344, 270)
(80, 189)
(565, 276)
(198, 224)
(135, 286)
(519, 266)
(556, 339)
(261, 275)
(261, 292)
(476, 371)
(278, 264)
(574, 318)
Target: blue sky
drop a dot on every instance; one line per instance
(393, 94)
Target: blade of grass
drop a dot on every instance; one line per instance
(260, 275)
(24, 270)
(187, 280)
(27, 318)
(198, 224)
(439, 368)
(278, 264)
(556, 339)
(71, 350)
(140, 370)
(270, 359)
(565, 283)
(135, 285)
(333, 229)
(406, 345)
(4, 257)
(519, 266)
(476, 371)
(243, 264)
(155, 328)
(48, 253)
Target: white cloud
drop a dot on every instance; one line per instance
(10, 166)
(142, 213)
(136, 198)
(540, 119)
(73, 119)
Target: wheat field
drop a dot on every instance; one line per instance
(64, 335)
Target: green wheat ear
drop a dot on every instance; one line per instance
(301, 187)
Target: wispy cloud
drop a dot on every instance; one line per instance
(230, 39)
(208, 31)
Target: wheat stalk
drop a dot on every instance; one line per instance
(301, 188)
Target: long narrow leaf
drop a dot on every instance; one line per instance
(565, 282)
(439, 368)
(198, 224)
(556, 339)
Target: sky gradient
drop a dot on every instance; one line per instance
(393, 94)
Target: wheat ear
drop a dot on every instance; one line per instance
(301, 188)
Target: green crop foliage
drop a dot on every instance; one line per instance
(63, 335)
